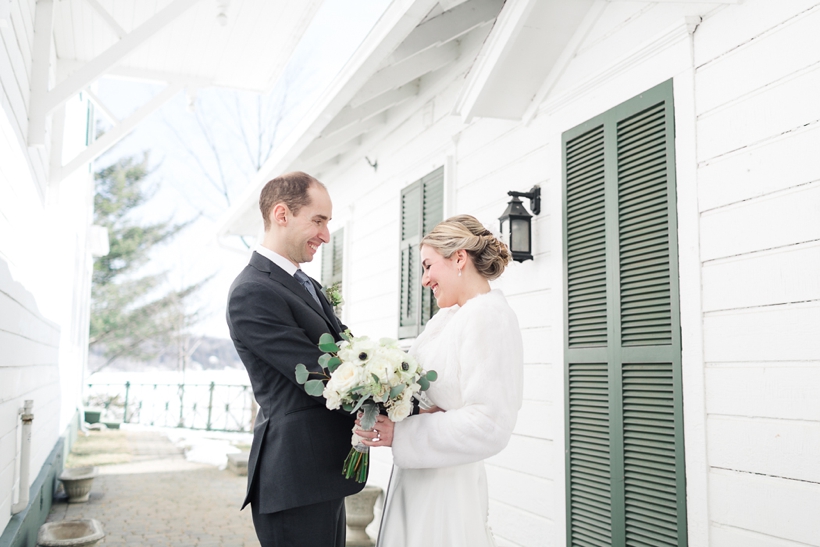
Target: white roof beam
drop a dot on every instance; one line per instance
(430, 86)
(340, 137)
(445, 27)
(68, 66)
(44, 102)
(120, 130)
(566, 56)
(99, 104)
(109, 20)
(333, 153)
(349, 115)
(405, 72)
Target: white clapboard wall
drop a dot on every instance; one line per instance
(758, 130)
(746, 78)
(44, 268)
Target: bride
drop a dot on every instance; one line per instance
(438, 490)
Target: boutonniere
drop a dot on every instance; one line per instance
(334, 295)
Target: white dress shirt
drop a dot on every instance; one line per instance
(277, 259)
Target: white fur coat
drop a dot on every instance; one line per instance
(477, 351)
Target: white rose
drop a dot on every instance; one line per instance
(332, 398)
(345, 377)
(400, 409)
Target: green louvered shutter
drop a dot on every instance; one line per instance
(333, 258)
(422, 206)
(587, 390)
(625, 459)
(409, 290)
(431, 215)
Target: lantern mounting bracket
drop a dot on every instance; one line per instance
(534, 195)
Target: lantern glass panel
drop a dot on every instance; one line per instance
(521, 235)
(505, 231)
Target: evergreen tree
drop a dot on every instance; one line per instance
(132, 313)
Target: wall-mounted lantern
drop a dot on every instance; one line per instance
(516, 223)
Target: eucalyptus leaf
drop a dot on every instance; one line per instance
(369, 414)
(346, 335)
(360, 403)
(314, 387)
(376, 378)
(330, 348)
(333, 363)
(328, 343)
(347, 406)
(396, 391)
(302, 373)
(323, 359)
(424, 383)
(432, 375)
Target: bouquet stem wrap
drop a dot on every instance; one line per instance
(358, 459)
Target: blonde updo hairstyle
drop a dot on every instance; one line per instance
(490, 256)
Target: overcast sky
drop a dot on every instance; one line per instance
(184, 191)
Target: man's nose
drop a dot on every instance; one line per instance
(324, 235)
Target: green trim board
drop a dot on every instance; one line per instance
(422, 207)
(22, 529)
(622, 346)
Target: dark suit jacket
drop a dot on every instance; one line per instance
(299, 445)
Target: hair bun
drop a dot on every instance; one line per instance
(490, 256)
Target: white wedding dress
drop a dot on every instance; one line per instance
(438, 490)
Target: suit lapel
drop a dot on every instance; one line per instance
(282, 277)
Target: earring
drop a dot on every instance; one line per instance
(459, 273)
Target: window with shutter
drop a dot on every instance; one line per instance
(624, 430)
(333, 258)
(422, 207)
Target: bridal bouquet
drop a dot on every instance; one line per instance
(361, 374)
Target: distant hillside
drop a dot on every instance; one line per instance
(210, 354)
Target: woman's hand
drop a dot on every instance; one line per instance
(380, 435)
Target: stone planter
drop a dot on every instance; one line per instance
(359, 509)
(77, 483)
(92, 415)
(70, 533)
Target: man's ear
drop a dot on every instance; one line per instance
(279, 214)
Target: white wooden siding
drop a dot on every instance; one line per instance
(749, 209)
(758, 69)
(43, 310)
(15, 67)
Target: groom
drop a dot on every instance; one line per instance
(276, 315)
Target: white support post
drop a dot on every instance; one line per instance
(40, 57)
(113, 136)
(56, 153)
(44, 101)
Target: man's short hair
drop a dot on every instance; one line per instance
(290, 189)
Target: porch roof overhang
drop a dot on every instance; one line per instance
(408, 57)
(185, 44)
